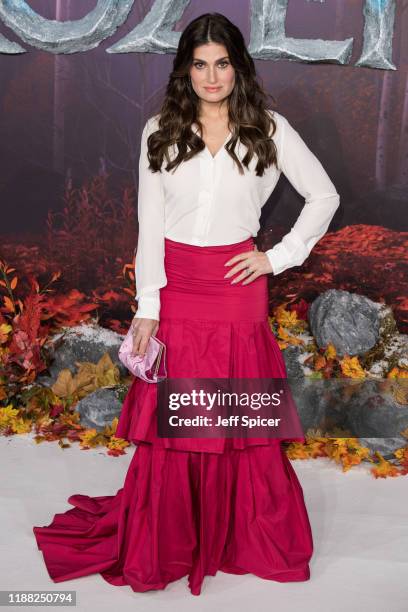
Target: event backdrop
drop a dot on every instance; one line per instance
(70, 128)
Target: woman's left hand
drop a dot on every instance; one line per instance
(251, 264)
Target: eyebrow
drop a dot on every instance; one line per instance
(197, 59)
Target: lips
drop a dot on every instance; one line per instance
(211, 89)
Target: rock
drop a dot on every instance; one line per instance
(370, 412)
(349, 321)
(293, 361)
(363, 409)
(99, 408)
(86, 342)
(385, 446)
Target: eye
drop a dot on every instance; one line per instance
(199, 65)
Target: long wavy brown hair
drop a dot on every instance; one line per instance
(247, 104)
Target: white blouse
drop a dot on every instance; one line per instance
(206, 201)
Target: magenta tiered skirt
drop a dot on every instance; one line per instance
(193, 506)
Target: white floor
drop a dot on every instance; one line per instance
(359, 525)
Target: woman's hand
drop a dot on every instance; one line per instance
(142, 329)
(251, 264)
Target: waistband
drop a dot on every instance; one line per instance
(219, 248)
(196, 287)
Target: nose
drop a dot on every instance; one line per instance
(212, 76)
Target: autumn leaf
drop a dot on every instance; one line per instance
(5, 330)
(286, 318)
(110, 296)
(56, 276)
(320, 362)
(7, 414)
(103, 374)
(297, 450)
(400, 392)
(330, 352)
(402, 456)
(89, 438)
(350, 366)
(110, 430)
(63, 444)
(288, 338)
(90, 376)
(8, 304)
(346, 451)
(301, 309)
(21, 426)
(116, 446)
(56, 410)
(397, 373)
(65, 385)
(384, 468)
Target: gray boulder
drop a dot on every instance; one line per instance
(86, 342)
(349, 321)
(99, 408)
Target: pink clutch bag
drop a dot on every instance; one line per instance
(150, 367)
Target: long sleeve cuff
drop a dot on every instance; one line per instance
(290, 251)
(148, 307)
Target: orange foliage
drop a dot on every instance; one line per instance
(27, 322)
(353, 259)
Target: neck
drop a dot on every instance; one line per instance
(213, 110)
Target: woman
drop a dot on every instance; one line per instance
(192, 506)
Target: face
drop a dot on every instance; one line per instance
(212, 74)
